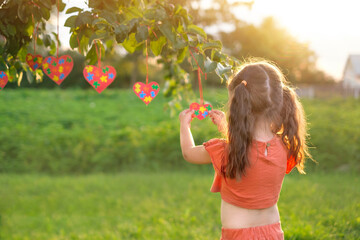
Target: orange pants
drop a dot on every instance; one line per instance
(266, 232)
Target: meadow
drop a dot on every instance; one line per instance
(169, 205)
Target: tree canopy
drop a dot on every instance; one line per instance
(168, 28)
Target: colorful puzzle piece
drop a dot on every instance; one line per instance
(34, 62)
(146, 92)
(58, 68)
(201, 111)
(3, 80)
(99, 78)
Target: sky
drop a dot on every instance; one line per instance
(329, 26)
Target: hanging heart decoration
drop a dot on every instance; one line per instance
(34, 61)
(99, 78)
(146, 92)
(201, 110)
(3, 80)
(58, 68)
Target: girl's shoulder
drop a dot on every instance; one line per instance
(216, 148)
(215, 142)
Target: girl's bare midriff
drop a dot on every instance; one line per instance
(236, 217)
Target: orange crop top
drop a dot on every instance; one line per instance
(260, 186)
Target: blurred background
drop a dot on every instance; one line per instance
(76, 164)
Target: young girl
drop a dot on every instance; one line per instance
(265, 139)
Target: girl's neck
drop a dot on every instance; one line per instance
(262, 130)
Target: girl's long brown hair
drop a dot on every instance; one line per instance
(266, 94)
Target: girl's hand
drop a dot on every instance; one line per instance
(185, 117)
(219, 119)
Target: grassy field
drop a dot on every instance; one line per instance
(77, 131)
(174, 205)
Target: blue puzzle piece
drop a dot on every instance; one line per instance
(36, 65)
(205, 114)
(152, 94)
(49, 60)
(2, 75)
(142, 94)
(110, 76)
(90, 77)
(61, 61)
(62, 76)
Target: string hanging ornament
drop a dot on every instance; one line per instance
(34, 60)
(201, 110)
(99, 77)
(148, 91)
(58, 68)
(3, 80)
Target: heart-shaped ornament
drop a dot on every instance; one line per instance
(99, 78)
(58, 68)
(34, 61)
(146, 92)
(3, 80)
(201, 110)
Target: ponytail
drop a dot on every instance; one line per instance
(241, 121)
(294, 130)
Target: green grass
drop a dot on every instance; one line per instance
(174, 205)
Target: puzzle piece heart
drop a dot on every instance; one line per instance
(99, 78)
(201, 111)
(3, 80)
(34, 62)
(146, 92)
(58, 68)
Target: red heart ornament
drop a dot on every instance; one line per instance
(3, 80)
(34, 62)
(99, 78)
(58, 68)
(146, 92)
(201, 111)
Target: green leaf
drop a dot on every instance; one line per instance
(142, 33)
(47, 40)
(196, 30)
(199, 61)
(222, 71)
(74, 41)
(211, 45)
(157, 14)
(167, 30)
(132, 12)
(157, 46)
(11, 29)
(70, 22)
(130, 44)
(45, 13)
(83, 18)
(179, 43)
(46, 4)
(73, 9)
(91, 55)
(182, 54)
(37, 14)
(121, 33)
(209, 65)
(61, 6)
(29, 75)
(23, 16)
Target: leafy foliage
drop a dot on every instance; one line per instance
(169, 30)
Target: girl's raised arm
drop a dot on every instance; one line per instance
(191, 153)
